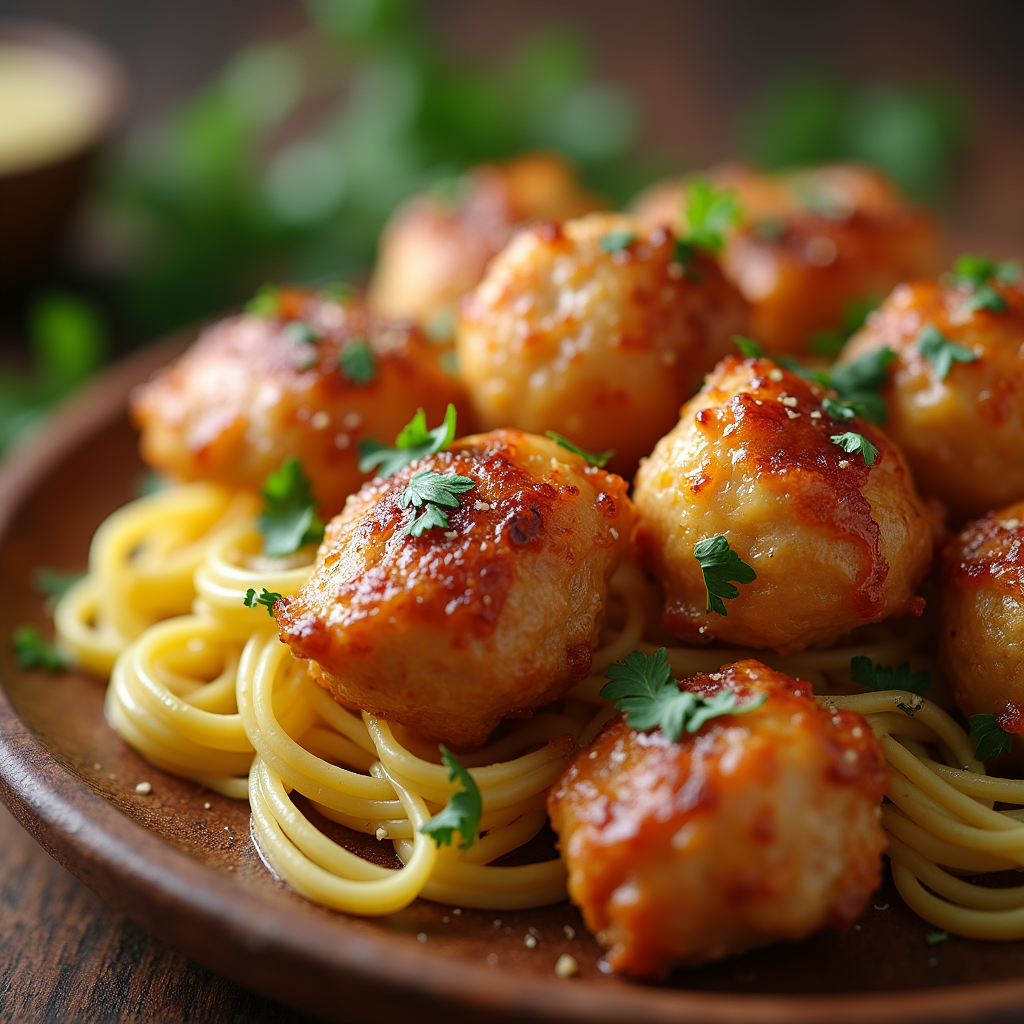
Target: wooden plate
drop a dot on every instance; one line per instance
(180, 860)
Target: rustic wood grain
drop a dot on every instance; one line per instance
(66, 956)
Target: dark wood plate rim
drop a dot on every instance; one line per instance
(259, 945)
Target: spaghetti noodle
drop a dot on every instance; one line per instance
(203, 688)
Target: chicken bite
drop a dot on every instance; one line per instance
(835, 543)
(981, 639)
(436, 247)
(596, 330)
(486, 616)
(956, 386)
(311, 379)
(810, 245)
(757, 828)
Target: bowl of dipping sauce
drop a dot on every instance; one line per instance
(61, 95)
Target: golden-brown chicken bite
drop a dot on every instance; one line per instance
(956, 387)
(489, 616)
(310, 379)
(810, 244)
(981, 642)
(594, 329)
(757, 828)
(436, 246)
(835, 543)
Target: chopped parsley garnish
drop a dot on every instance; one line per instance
(594, 458)
(975, 272)
(357, 362)
(51, 583)
(433, 492)
(709, 214)
(288, 520)
(617, 241)
(990, 738)
(413, 442)
(267, 598)
(839, 410)
(721, 567)
(881, 677)
(300, 332)
(936, 938)
(854, 444)
(643, 687)
(33, 650)
(858, 383)
(940, 351)
(462, 812)
(749, 348)
(266, 302)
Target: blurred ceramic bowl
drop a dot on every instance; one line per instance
(61, 94)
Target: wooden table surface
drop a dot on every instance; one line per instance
(66, 957)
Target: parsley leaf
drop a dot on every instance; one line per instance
(936, 938)
(357, 362)
(749, 348)
(594, 458)
(880, 677)
(266, 302)
(461, 813)
(989, 737)
(940, 351)
(52, 583)
(300, 332)
(267, 598)
(858, 382)
(33, 650)
(974, 272)
(839, 410)
(709, 213)
(617, 241)
(854, 443)
(435, 491)
(413, 442)
(288, 520)
(721, 566)
(643, 687)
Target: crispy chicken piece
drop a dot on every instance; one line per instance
(486, 618)
(254, 390)
(981, 641)
(835, 543)
(961, 430)
(758, 828)
(436, 248)
(810, 244)
(596, 330)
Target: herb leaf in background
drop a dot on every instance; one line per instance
(462, 812)
(288, 520)
(287, 165)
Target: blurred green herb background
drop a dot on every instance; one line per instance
(286, 166)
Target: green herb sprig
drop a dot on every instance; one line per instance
(865, 673)
(414, 442)
(975, 272)
(990, 738)
(357, 362)
(598, 459)
(617, 241)
(940, 351)
(462, 812)
(856, 444)
(721, 567)
(266, 598)
(33, 650)
(709, 213)
(288, 520)
(644, 688)
(433, 492)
